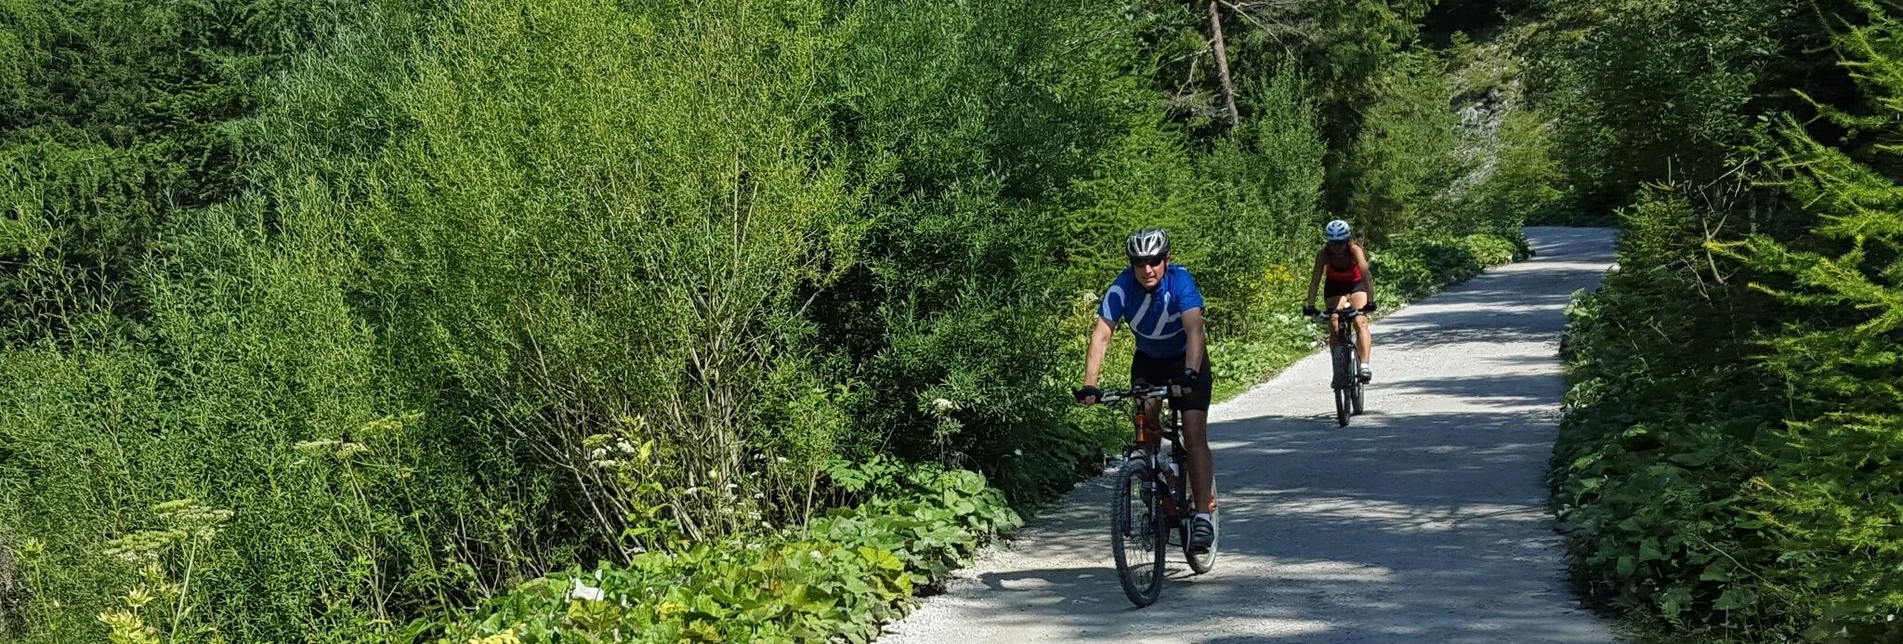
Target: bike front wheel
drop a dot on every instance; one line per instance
(1137, 537)
(1344, 382)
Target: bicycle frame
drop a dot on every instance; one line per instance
(1345, 336)
(1345, 354)
(1159, 483)
(1169, 427)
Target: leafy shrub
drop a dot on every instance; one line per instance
(1648, 91)
(925, 515)
(794, 591)
(1663, 416)
(1724, 459)
(1246, 363)
(850, 572)
(1411, 269)
(1525, 180)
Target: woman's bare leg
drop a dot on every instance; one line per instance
(1363, 330)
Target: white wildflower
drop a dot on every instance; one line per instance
(585, 592)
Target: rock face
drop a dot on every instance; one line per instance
(1480, 123)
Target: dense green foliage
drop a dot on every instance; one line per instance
(1728, 466)
(839, 578)
(320, 321)
(1673, 91)
(1665, 405)
(1384, 75)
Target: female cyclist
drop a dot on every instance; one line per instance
(1350, 283)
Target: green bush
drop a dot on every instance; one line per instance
(1411, 268)
(1649, 91)
(850, 572)
(1664, 413)
(1526, 182)
(1724, 463)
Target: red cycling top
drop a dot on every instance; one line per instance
(1350, 274)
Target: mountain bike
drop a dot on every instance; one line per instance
(1153, 501)
(1347, 384)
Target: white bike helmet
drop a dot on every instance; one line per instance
(1149, 242)
(1337, 230)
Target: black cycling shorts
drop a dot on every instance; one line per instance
(1333, 289)
(1146, 370)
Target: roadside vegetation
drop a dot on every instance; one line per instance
(740, 320)
(1728, 467)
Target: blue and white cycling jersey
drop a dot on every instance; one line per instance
(1155, 316)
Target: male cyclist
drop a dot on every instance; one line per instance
(1350, 283)
(1164, 309)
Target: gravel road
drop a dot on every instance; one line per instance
(1424, 521)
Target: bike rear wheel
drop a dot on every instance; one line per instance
(1137, 537)
(1359, 402)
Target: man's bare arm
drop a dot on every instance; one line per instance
(1099, 345)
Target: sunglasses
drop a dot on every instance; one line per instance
(1148, 261)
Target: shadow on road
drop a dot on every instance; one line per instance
(1409, 528)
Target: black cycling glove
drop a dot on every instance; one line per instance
(1310, 311)
(1187, 379)
(1369, 308)
(1087, 394)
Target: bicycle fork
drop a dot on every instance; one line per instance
(1345, 358)
(1168, 486)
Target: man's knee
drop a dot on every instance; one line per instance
(1196, 426)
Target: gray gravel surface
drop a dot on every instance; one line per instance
(1423, 521)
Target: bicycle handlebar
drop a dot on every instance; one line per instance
(1345, 312)
(1116, 395)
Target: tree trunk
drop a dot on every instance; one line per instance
(1222, 62)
